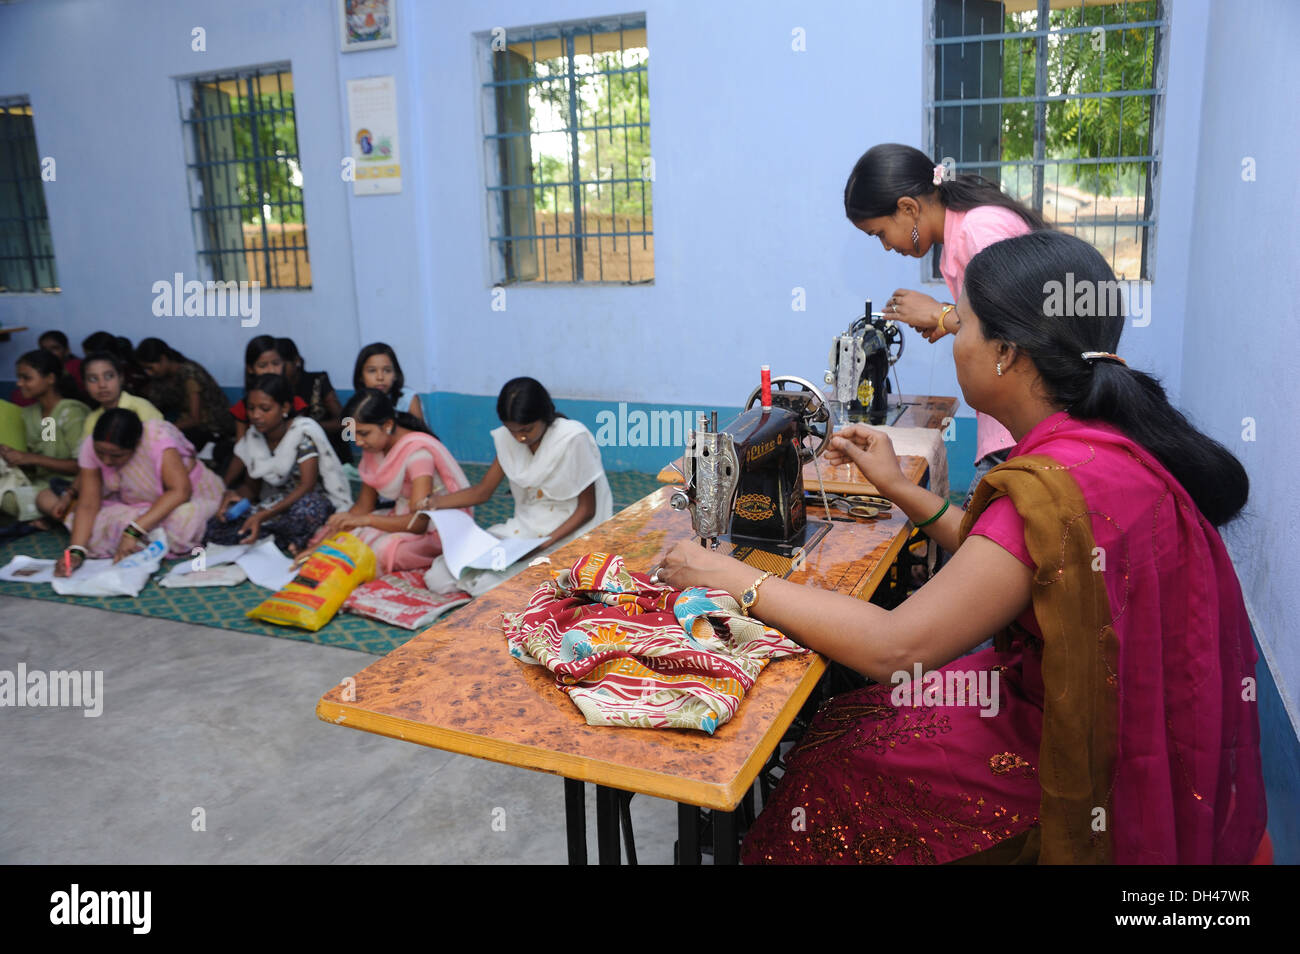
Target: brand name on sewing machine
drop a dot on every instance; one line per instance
(762, 450)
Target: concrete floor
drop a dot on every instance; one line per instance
(200, 718)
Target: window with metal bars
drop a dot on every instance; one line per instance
(1058, 101)
(245, 177)
(567, 136)
(26, 250)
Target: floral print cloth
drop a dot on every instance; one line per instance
(634, 653)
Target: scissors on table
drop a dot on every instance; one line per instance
(856, 505)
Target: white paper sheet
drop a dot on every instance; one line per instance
(267, 567)
(214, 555)
(465, 543)
(25, 569)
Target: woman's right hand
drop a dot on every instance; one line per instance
(873, 453)
(228, 499)
(68, 563)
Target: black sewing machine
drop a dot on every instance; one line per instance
(859, 367)
(745, 482)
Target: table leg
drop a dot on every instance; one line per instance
(575, 820)
(607, 842)
(726, 844)
(688, 835)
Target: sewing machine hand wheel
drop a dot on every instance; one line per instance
(894, 341)
(818, 413)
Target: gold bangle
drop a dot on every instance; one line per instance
(943, 311)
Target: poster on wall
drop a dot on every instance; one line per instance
(372, 118)
(367, 24)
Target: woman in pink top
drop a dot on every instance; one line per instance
(1109, 722)
(898, 195)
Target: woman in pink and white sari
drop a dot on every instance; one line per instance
(401, 461)
(1112, 721)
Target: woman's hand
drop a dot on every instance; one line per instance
(689, 564)
(342, 522)
(228, 500)
(252, 527)
(68, 563)
(918, 310)
(872, 451)
(14, 457)
(427, 502)
(126, 546)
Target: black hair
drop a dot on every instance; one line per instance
(889, 171)
(274, 386)
(368, 352)
(1008, 287)
(44, 363)
(155, 349)
(254, 350)
(371, 406)
(288, 350)
(107, 356)
(58, 337)
(525, 401)
(120, 427)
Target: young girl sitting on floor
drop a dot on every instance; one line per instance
(377, 367)
(292, 473)
(401, 461)
(556, 478)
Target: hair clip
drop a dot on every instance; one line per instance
(1098, 355)
(938, 174)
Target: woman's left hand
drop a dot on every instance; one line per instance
(343, 522)
(689, 564)
(126, 546)
(252, 527)
(916, 309)
(14, 457)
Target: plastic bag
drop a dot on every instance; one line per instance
(106, 578)
(336, 567)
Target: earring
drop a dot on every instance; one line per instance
(999, 369)
(916, 241)
(285, 414)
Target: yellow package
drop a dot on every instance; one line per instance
(335, 568)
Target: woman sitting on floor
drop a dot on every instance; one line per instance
(134, 477)
(556, 477)
(189, 397)
(1114, 727)
(52, 424)
(401, 461)
(288, 468)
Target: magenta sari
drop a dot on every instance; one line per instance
(876, 782)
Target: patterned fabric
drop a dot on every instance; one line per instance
(402, 600)
(131, 490)
(291, 529)
(630, 652)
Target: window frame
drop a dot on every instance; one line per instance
(21, 105)
(1147, 218)
(501, 268)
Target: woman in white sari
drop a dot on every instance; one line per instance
(556, 477)
(292, 475)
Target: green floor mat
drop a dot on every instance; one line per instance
(224, 607)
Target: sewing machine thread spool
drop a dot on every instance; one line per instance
(765, 376)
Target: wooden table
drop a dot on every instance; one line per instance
(455, 687)
(920, 411)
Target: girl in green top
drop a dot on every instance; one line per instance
(53, 424)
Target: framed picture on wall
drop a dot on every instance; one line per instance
(367, 24)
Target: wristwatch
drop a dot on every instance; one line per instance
(750, 596)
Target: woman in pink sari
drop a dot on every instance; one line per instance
(401, 461)
(136, 475)
(1112, 721)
